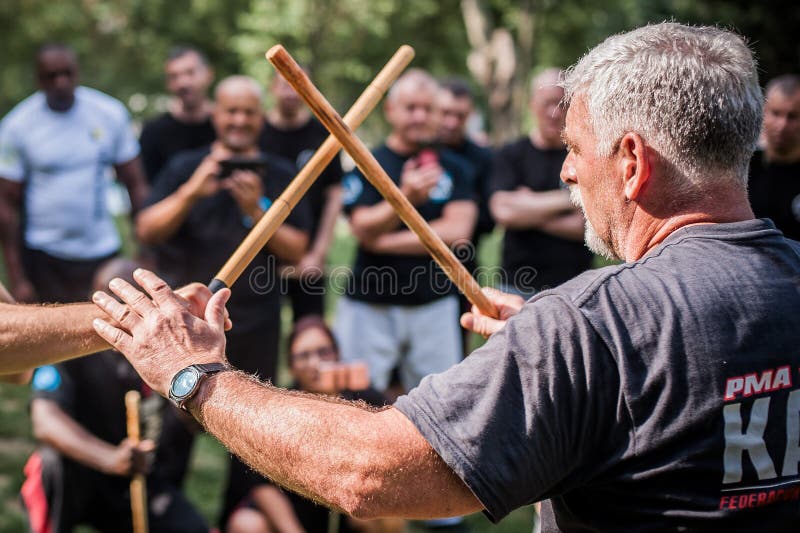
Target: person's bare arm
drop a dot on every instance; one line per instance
(277, 507)
(455, 225)
(570, 226)
(363, 462)
(10, 202)
(160, 221)
(36, 335)
(131, 174)
(526, 209)
(54, 427)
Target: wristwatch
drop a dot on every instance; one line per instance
(186, 382)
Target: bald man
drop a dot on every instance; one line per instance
(400, 310)
(202, 213)
(543, 243)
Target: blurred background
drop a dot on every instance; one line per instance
(496, 44)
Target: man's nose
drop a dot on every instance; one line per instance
(568, 172)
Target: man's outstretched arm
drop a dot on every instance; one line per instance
(36, 335)
(364, 462)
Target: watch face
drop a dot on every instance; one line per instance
(185, 382)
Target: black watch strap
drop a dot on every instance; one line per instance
(211, 368)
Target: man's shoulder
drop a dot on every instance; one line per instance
(21, 115)
(279, 166)
(158, 122)
(99, 101)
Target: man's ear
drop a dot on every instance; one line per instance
(634, 164)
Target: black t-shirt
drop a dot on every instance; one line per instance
(481, 160)
(214, 228)
(91, 390)
(652, 395)
(530, 253)
(165, 136)
(775, 193)
(404, 279)
(299, 145)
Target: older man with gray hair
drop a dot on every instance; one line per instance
(661, 393)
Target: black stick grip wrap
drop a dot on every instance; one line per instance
(216, 285)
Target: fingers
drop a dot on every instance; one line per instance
(131, 296)
(158, 289)
(123, 314)
(215, 310)
(116, 337)
(480, 324)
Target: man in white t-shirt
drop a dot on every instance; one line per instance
(56, 149)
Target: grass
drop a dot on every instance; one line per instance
(204, 484)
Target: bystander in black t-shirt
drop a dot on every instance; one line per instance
(165, 136)
(404, 279)
(299, 145)
(775, 193)
(532, 259)
(212, 231)
(480, 158)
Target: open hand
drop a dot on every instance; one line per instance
(160, 336)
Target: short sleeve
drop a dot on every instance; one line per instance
(527, 416)
(126, 146)
(177, 170)
(503, 177)
(52, 383)
(357, 191)
(12, 162)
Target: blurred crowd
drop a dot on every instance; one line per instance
(199, 177)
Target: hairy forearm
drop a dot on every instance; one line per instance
(570, 226)
(526, 209)
(370, 222)
(363, 462)
(55, 428)
(162, 220)
(32, 335)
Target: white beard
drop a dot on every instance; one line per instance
(592, 239)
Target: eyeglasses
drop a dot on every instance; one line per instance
(325, 352)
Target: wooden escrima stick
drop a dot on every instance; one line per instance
(291, 71)
(283, 205)
(138, 484)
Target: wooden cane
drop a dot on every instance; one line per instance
(280, 208)
(291, 71)
(138, 484)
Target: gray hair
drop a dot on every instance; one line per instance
(549, 77)
(237, 82)
(414, 78)
(692, 93)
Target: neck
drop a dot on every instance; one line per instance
(543, 143)
(790, 156)
(184, 113)
(222, 151)
(292, 121)
(645, 232)
(400, 146)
